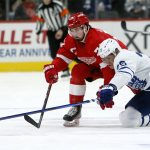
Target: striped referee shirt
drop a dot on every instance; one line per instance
(55, 15)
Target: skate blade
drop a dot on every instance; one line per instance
(74, 123)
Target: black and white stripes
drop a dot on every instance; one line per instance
(55, 15)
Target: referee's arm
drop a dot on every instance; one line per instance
(40, 22)
(64, 12)
(65, 15)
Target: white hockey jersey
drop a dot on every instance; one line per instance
(132, 69)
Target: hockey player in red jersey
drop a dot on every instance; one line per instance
(82, 42)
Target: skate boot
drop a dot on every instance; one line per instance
(65, 73)
(72, 117)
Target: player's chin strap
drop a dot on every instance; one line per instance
(69, 32)
(86, 30)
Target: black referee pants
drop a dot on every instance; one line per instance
(54, 44)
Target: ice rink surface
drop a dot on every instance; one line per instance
(98, 130)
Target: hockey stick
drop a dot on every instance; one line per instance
(124, 27)
(46, 109)
(30, 120)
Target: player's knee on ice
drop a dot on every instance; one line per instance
(130, 117)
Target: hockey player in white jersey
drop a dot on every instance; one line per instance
(131, 69)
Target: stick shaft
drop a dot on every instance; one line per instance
(45, 110)
(32, 121)
(45, 103)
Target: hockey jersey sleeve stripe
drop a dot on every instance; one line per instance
(127, 70)
(67, 60)
(127, 73)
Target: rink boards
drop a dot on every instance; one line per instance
(19, 50)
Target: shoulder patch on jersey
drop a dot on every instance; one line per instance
(121, 64)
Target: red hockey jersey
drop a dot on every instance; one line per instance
(85, 52)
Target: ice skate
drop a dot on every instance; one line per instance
(72, 117)
(65, 74)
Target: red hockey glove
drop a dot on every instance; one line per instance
(106, 105)
(51, 74)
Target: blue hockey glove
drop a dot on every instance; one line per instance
(105, 96)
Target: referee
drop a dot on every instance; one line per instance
(55, 15)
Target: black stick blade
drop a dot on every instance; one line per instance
(125, 28)
(123, 25)
(31, 121)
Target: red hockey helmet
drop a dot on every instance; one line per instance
(77, 20)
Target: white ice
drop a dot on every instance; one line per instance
(98, 130)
